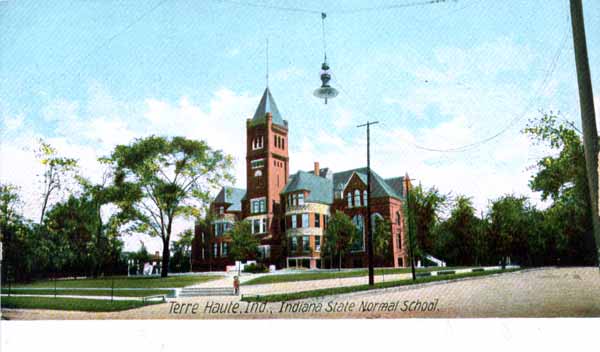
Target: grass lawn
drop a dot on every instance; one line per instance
(272, 279)
(348, 289)
(87, 305)
(104, 292)
(123, 282)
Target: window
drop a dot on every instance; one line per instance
(325, 220)
(365, 198)
(317, 220)
(318, 243)
(220, 228)
(256, 226)
(359, 245)
(294, 244)
(305, 243)
(295, 200)
(224, 248)
(215, 247)
(399, 240)
(282, 143)
(264, 251)
(257, 164)
(349, 197)
(300, 198)
(259, 225)
(357, 198)
(257, 143)
(294, 224)
(221, 210)
(305, 220)
(398, 217)
(258, 205)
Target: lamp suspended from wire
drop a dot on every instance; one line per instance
(325, 91)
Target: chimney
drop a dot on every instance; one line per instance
(317, 168)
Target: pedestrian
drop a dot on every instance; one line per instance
(236, 285)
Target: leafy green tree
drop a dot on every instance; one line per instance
(243, 245)
(381, 239)
(182, 252)
(341, 233)
(427, 205)
(561, 177)
(167, 178)
(57, 172)
(509, 227)
(460, 232)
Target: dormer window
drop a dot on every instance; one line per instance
(349, 198)
(257, 143)
(221, 210)
(300, 198)
(365, 198)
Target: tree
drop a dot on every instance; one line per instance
(340, 235)
(57, 171)
(460, 232)
(427, 206)
(509, 227)
(243, 244)
(561, 177)
(381, 238)
(166, 178)
(182, 252)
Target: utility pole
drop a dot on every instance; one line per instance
(588, 118)
(368, 221)
(410, 239)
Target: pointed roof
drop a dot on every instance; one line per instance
(266, 105)
(380, 187)
(232, 196)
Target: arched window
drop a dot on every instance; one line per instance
(374, 218)
(365, 198)
(359, 245)
(398, 217)
(349, 197)
(357, 198)
(295, 199)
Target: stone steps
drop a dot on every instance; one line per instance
(206, 291)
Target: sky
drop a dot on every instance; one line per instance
(88, 75)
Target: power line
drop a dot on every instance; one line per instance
(392, 7)
(339, 12)
(532, 101)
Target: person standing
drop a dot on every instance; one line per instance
(236, 285)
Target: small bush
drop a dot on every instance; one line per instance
(446, 272)
(423, 274)
(256, 268)
(478, 270)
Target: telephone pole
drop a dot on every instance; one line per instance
(588, 118)
(410, 216)
(368, 220)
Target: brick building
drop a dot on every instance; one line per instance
(289, 213)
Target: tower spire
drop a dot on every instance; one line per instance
(267, 64)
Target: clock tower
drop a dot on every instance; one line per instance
(267, 170)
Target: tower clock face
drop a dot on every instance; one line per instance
(257, 173)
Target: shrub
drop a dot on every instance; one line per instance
(446, 272)
(256, 268)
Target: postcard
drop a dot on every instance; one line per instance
(169, 160)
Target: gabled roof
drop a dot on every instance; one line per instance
(397, 183)
(266, 105)
(380, 187)
(232, 196)
(320, 188)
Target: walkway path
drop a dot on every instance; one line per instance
(550, 292)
